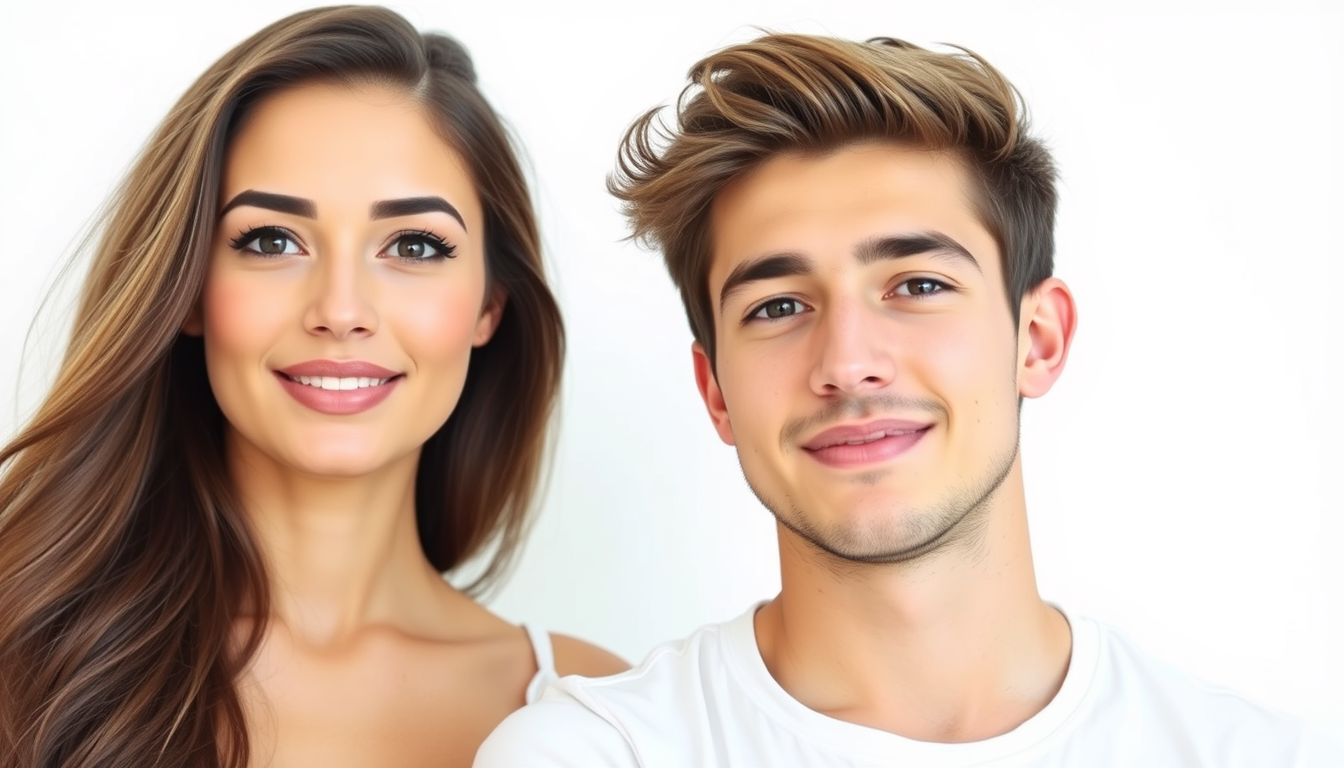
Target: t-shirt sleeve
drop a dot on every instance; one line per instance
(1317, 750)
(555, 731)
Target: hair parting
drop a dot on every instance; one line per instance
(133, 593)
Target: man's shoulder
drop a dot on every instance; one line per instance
(1130, 671)
(1139, 695)
(613, 720)
(554, 731)
(693, 702)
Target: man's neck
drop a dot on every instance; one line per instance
(956, 646)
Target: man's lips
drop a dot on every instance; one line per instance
(862, 446)
(859, 434)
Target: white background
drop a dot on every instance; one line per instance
(1183, 477)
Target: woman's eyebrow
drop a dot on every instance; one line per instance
(382, 209)
(409, 206)
(295, 206)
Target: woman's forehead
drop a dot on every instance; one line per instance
(345, 145)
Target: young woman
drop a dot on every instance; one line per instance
(312, 369)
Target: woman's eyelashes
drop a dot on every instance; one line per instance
(413, 246)
(266, 242)
(420, 246)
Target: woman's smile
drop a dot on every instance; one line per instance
(338, 388)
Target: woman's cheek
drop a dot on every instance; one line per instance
(243, 318)
(237, 309)
(437, 326)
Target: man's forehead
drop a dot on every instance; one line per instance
(814, 202)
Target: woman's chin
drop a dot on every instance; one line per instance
(343, 465)
(334, 460)
(345, 453)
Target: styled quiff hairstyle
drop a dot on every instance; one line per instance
(802, 93)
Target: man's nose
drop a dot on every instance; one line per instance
(853, 353)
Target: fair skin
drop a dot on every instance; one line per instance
(869, 374)
(370, 657)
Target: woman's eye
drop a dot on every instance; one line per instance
(419, 248)
(777, 308)
(267, 244)
(920, 286)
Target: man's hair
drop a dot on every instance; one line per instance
(782, 93)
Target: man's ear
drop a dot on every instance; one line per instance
(194, 325)
(1045, 332)
(491, 312)
(711, 394)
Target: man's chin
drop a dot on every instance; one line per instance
(863, 527)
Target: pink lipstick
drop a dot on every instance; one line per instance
(338, 389)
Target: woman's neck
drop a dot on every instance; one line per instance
(343, 554)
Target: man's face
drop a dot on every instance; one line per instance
(867, 360)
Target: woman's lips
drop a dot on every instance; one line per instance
(338, 370)
(338, 388)
(861, 445)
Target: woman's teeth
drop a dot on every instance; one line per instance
(333, 383)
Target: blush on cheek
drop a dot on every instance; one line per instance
(443, 319)
(241, 315)
(243, 318)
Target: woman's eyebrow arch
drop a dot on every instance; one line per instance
(272, 201)
(382, 209)
(410, 206)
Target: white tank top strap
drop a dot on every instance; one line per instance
(545, 656)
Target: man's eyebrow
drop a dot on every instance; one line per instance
(904, 246)
(410, 206)
(763, 268)
(295, 206)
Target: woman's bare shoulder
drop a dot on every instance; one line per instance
(579, 657)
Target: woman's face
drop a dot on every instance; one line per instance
(347, 281)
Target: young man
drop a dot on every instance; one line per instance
(862, 236)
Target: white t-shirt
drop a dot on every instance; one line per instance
(709, 700)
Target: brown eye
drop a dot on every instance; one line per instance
(419, 247)
(921, 286)
(267, 241)
(272, 245)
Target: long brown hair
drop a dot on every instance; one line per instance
(124, 557)
(784, 92)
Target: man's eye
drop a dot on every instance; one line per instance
(420, 247)
(920, 286)
(777, 308)
(267, 243)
